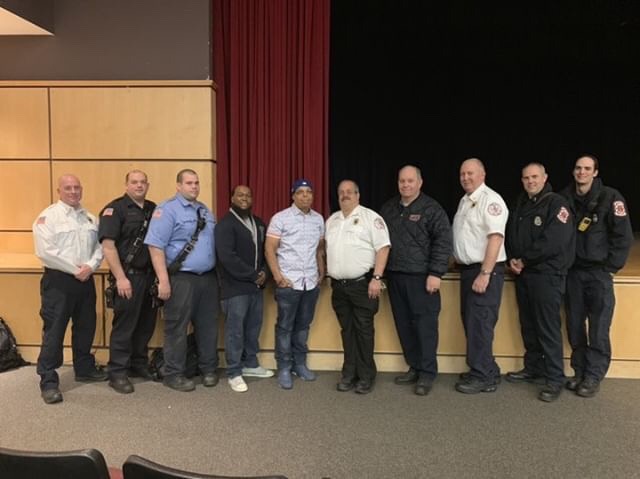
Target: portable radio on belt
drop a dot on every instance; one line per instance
(584, 224)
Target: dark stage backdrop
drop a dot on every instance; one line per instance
(432, 83)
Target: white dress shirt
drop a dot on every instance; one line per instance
(479, 215)
(352, 242)
(66, 238)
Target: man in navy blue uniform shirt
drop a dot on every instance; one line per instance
(123, 224)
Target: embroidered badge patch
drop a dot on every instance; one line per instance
(494, 209)
(107, 212)
(619, 209)
(563, 215)
(157, 213)
(42, 220)
(378, 223)
(414, 217)
(537, 221)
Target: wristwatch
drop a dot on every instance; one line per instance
(486, 273)
(377, 277)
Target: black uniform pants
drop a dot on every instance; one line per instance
(194, 299)
(590, 302)
(63, 298)
(479, 317)
(134, 321)
(355, 312)
(539, 301)
(415, 313)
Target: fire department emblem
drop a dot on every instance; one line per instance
(563, 215)
(619, 209)
(494, 209)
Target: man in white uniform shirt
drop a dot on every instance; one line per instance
(478, 247)
(66, 240)
(357, 243)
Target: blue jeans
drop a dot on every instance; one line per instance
(241, 331)
(295, 313)
(194, 299)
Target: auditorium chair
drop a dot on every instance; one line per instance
(136, 467)
(83, 464)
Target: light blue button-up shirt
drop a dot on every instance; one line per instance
(299, 236)
(172, 225)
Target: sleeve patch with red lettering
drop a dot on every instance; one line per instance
(619, 209)
(378, 223)
(157, 213)
(563, 215)
(494, 209)
(107, 212)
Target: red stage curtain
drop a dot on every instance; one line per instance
(271, 65)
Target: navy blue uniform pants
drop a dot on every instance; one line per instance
(134, 321)
(355, 312)
(415, 313)
(479, 317)
(539, 301)
(63, 298)
(590, 302)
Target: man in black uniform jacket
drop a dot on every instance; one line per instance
(603, 241)
(421, 243)
(540, 248)
(123, 222)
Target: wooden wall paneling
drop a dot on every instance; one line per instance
(23, 316)
(625, 329)
(123, 123)
(16, 242)
(103, 181)
(24, 123)
(25, 192)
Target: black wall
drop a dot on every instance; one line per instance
(432, 83)
(113, 40)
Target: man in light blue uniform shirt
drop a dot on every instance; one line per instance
(294, 250)
(190, 294)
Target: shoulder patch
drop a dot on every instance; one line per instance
(157, 213)
(41, 220)
(494, 209)
(378, 223)
(107, 212)
(619, 208)
(563, 215)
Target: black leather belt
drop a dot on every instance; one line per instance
(476, 265)
(345, 282)
(193, 273)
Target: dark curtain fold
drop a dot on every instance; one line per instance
(271, 65)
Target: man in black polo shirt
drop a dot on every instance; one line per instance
(123, 224)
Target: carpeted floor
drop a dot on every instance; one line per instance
(315, 432)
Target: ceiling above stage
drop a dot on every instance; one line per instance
(26, 17)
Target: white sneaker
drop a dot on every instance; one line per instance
(238, 384)
(258, 372)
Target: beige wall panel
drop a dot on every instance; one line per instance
(150, 123)
(24, 123)
(16, 242)
(17, 209)
(625, 329)
(103, 181)
(23, 315)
